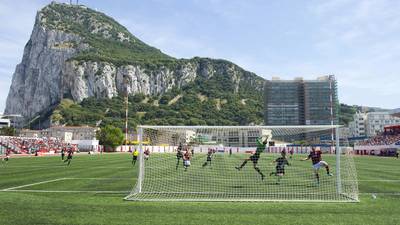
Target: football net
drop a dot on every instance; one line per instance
(220, 163)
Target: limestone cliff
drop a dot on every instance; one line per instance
(77, 52)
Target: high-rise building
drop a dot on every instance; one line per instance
(301, 102)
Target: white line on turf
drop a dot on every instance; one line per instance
(379, 180)
(75, 167)
(59, 179)
(71, 191)
(100, 178)
(32, 184)
(380, 193)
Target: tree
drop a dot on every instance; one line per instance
(7, 131)
(110, 136)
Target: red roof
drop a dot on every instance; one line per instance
(393, 126)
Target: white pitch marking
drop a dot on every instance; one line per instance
(32, 184)
(55, 191)
(381, 180)
(380, 193)
(100, 178)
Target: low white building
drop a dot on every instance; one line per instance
(370, 124)
(5, 123)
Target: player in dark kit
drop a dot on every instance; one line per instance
(62, 153)
(69, 156)
(256, 156)
(291, 153)
(6, 157)
(280, 166)
(315, 156)
(179, 155)
(209, 158)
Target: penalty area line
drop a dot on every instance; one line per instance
(32, 184)
(71, 191)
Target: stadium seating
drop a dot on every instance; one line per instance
(23, 145)
(382, 139)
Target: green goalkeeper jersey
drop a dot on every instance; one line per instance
(260, 146)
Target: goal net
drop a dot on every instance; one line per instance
(243, 163)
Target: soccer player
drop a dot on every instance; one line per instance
(256, 156)
(291, 153)
(6, 157)
(179, 155)
(69, 156)
(280, 167)
(209, 158)
(62, 153)
(135, 154)
(315, 156)
(186, 159)
(146, 154)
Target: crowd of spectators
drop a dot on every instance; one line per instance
(26, 145)
(382, 139)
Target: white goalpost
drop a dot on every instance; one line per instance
(243, 163)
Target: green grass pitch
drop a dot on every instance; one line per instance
(43, 190)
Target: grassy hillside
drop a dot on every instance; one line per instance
(189, 106)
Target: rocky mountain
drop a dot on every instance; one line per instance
(77, 53)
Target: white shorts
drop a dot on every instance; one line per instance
(319, 164)
(186, 163)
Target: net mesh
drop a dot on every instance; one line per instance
(224, 166)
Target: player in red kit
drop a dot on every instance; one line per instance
(315, 156)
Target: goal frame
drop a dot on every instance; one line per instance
(137, 189)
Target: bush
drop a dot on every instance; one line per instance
(110, 136)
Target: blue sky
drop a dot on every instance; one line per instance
(357, 40)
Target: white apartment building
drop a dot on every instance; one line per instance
(357, 126)
(370, 124)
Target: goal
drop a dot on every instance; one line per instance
(218, 171)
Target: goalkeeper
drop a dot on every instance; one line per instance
(261, 144)
(280, 167)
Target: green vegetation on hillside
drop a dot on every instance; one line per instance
(108, 40)
(190, 109)
(346, 113)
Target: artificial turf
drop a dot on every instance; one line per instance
(92, 188)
